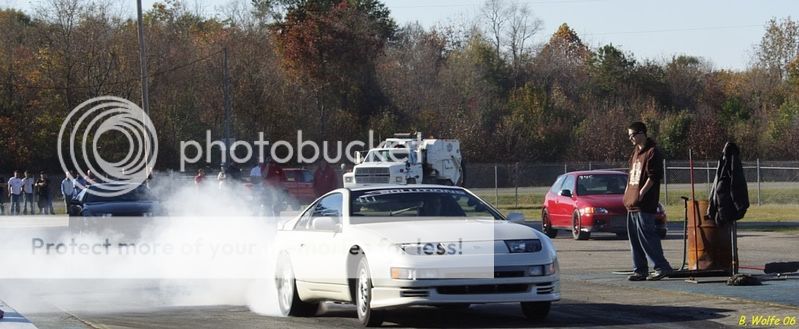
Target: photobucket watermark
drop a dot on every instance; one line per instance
(281, 151)
(80, 144)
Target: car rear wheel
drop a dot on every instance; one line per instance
(288, 299)
(363, 297)
(546, 225)
(536, 310)
(577, 229)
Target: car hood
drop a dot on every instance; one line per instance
(415, 229)
(381, 164)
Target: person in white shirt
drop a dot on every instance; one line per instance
(15, 192)
(255, 173)
(27, 188)
(221, 177)
(68, 189)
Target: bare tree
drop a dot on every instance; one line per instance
(521, 28)
(496, 14)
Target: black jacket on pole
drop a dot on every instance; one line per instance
(729, 197)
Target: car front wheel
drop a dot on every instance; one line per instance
(536, 310)
(577, 229)
(288, 299)
(363, 297)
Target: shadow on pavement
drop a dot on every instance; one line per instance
(563, 314)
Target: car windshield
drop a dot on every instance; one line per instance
(419, 202)
(601, 184)
(387, 155)
(139, 194)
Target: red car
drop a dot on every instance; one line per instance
(299, 187)
(590, 201)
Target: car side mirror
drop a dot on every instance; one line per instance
(516, 217)
(324, 224)
(566, 193)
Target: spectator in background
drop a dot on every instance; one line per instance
(43, 194)
(68, 189)
(15, 192)
(27, 189)
(2, 197)
(255, 173)
(221, 177)
(324, 179)
(200, 178)
(273, 177)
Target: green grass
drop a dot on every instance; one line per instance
(780, 201)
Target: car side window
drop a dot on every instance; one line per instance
(302, 224)
(330, 206)
(556, 186)
(568, 184)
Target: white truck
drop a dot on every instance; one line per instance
(408, 159)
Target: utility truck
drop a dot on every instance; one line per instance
(409, 159)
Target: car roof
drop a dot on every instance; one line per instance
(596, 172)
(395, 186)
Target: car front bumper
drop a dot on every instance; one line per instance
(472, 291)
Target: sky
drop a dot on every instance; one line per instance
(723, 32)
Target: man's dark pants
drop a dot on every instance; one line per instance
(645, 243)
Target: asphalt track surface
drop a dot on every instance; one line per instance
(593, 297)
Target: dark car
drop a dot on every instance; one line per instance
(135, 203)
(590, 201)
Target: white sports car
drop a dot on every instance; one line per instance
(391, 246)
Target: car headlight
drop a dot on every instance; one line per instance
(543, 270)
(592, 210)
(401, 273)
(348, 179)
(518, 246)
(398, 179)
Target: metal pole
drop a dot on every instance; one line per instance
(226, 91)
(145, 98)
(565, 168)
(707, 170)
(665, 180)
(589, 165)
(758, 182)
(516, 180)
(496, 187)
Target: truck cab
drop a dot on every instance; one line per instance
(408, 160)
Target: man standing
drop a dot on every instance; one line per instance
(43, 193)
(641, 200)
(67, 189)
(324, 179)
(15, 192)
(27, 188)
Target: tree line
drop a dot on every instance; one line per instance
(337, 68)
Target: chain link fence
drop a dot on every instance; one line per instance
(501, 177)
